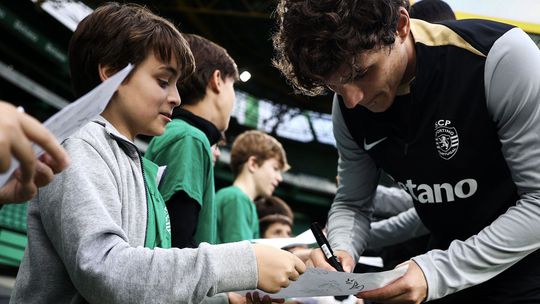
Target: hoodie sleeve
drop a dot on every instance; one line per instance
(81, 211)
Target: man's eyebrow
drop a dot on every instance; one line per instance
(354, 71)
(351, 73)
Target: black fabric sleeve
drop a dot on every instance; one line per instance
(184, 216)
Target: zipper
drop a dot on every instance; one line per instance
(142, 170)
(145, 189)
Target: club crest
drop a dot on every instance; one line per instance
(446, 139)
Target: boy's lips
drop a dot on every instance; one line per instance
(167, 114)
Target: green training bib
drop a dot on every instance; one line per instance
(158, 225)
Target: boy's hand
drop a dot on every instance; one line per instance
(276, 267)
(256, 299)
(235, 298)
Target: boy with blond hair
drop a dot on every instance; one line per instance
(257, 161)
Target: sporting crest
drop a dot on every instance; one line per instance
(446, 139)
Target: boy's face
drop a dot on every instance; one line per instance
(278, 230)
(144, 104)
(267, 177)
(375, 80)
(227, 97)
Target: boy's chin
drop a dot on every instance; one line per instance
(154, 132)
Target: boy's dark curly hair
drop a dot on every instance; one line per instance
(315, 37)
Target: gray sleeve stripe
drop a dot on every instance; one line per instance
(349, 216)
(512, 80)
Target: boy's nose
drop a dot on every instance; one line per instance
(174, 97)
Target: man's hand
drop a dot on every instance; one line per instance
(14, 191)
(17, 132)
(411, 288)
(276, 267)
(319, 260)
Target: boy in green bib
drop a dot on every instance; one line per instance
(185, 147)
(257, 161)
(95, 232)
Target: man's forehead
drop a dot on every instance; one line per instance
(366, 58)
(338, 77)
(358, 62)
(342, 75)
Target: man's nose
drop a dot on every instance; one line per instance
(352, 95)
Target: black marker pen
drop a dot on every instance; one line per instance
(325, 246)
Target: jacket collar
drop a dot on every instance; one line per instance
(125, 144)
(208, 128)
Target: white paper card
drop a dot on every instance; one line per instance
(317, 282)
(305, 238)
(78, 113)
(371, 261)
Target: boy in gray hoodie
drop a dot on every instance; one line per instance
(99, 232)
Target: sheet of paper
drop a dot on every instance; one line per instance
(371, 261)
(305, 238)
(78, 113)
(317, 282)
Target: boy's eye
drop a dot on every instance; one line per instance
(163, 83)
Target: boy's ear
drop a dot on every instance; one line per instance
(215, 82)
(104, 72)
(252, 164)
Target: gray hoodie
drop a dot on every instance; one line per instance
(86, 232)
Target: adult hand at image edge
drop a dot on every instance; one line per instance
(17, 132)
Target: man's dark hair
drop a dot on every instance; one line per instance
(209, 57)
(432, 11)
(117, 34)
(314, 38)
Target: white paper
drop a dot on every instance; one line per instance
(371, 261)
(77, 114)
(317, 282)
(305, 238)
